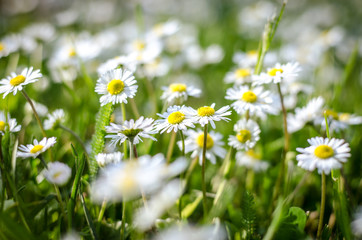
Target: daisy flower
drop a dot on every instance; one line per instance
(195, 141)
(324, 154)
(33, 150)
(238, 76)
(165, 29)
(116, 62)
(132, 130)
(144, 50)
(8, 45)
(206, 114)
(15, 83)
(251, 160)
(57, 173)
(179, 93)
(247, 134)
(278, 73)
(174, 119)
(256, 101)
(116, 86)
(8, 123)
(104, 159)
(127, 180)
(338, 121)
(54, 119)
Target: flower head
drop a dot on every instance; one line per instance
(15, 83)
(33, 150)
(104, 159)
(7, 123)
(278, 73)
(324, 154)
(247, 134)
(179, 93)
(54, 119)
(195, 141)
(174, 119)
(238, 76)
(251, 160)
(57, 173)
(206, 114)
(116, 86)
(132, 130)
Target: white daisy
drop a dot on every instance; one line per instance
(324, 154)
(207, 114)
(15, 83)
(247, 134)
(195, 141)
(179, 93)
(174, 119)
(256, 101)
(165, 29)
(117, 62)
(8, 45)
(132, 130)
(54, 119)
(337, 121)
(278, 73)
(104, 159)
(8, 124)
(304, 115)
(251, 160)
(57, 173)
(33, 150)
(144, 50)
(238, 76)
(116, 86)
(126, 180)
(156, 68)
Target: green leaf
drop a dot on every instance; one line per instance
(248, 215)
(301, 217)
(191, 207)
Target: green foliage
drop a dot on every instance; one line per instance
(248, 215)
(292, 225)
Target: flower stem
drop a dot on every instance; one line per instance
(103, 209)
(182, 175)
(59, 196)
(203, 171)
(323, 203)
(123, 107)
(35, 112)
(183, 142)
(171, 145)
(123, 224)
(131, 149)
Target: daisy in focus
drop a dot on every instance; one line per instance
(104, 159)
(247, 134)
(8, 124)
(195, 142)
(57, 173)
(116, 86)
(15, 83)
(174, 119)
(207, 114)
(33, 150)
(54, 119)
(256, 101)
(178, 93)
(131, 130)
(278, 73)
(251, 160)
(324, 154)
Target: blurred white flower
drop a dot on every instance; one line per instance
(144, 50)
(179, 92)
(54, 119)
(324, 154)
(57, 173)
(104, 159)
(33, 150)
(8, 45)
(8, 124)
(251, 160)
(42, 31)
(117, 62)
(238, 76)
(165, 29)
(247, 134)
(357, 223)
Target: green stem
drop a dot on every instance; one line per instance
(182, 175)
(103, 209)
(323, 203)
(183, 142)
(59, 196)
(123, 107)
(204, 202)
(171, 146)
(131, 149)
(123, 224)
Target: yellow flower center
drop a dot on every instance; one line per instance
(274, 71)
(2, 126)
(242, 72)
(36, 148)
(2, 46)
(344, 117)
(332, 114)
(323, 151)
(178, 87)
(115, 86)
(252, 53)
(209, 141)
(243, 136)
(57, 174)
(251, 153)
(205, 111)
(129, 183)
(139, 45)
(72, 52)
(176, 117)
(249, 96)
(17, 80)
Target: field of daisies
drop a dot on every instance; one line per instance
(184, 120)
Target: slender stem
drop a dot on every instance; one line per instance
(327, 125)
(203, 171)
(35, 112)
(135, 151)
(103, 209)
(77, 138)
(59, 196)
(134, 108)
(131, 149)
(123, 107)
(182, 175)
(323, 203)
(171, 145)
(183, 142)
(190, 169)
(123, 224)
